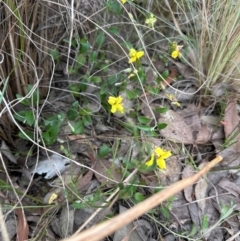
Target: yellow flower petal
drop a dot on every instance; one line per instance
(151, 161)
(113, 109)
(119, 108)
(132, 52)
(159, 151)
(111, 100)
(139, 54)
(161, 163)
(119, 99)
(123, 1)
(134, 55)
(175, 54)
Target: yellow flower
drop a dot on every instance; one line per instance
(134, 55)
(173, 99)
(151, 21)
(175, 54)
(123, 1)
(151, 161)
(175, 50)
(160, 155)
(116, 103)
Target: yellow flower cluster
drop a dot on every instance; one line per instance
(173, 99)
(151, 21)
(116, 103)
(134, 55)
(160, 155)
(176, 51)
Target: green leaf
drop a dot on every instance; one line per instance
(23, 100)
(104, 151)
(165, 212)
(100, 39)
(161, 110)
(84, 46)
(113, 30)
(144, 120)
(114, 6)
(72, 114)
(79, 205)
(55, 54)
(93, 56)
(205, 223)
(30, 120)
(153, 90)
(96, 79)
(226, 210)
(145, 128)
(138, 197)
(161, 126)
(55, 120)
(78, 128)
(29, 134)
(25, 116)
(132, 94)
(165, 74)
(194, 230)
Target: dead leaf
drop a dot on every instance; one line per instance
(144, 229)
(83, 183)
(22, 228)
(66, 221)
(108, 170)
(231, 119)
(188, 171)
(201, 190)
(177, 129)
(231, 187)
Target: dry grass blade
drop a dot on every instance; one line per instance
(108, 227)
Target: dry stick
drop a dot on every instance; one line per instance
(104, 229)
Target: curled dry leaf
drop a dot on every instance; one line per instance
(22, 229)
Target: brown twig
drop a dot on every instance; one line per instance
(104, 229)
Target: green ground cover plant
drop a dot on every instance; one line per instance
(114, 86)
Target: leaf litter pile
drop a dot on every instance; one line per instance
(118, 124)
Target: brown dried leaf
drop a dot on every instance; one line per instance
(83, 183)
(231, 119)
(231, 187)
(22, 229)
(201, 190)
(108, 170)
(204, 135)
(177, 129)
(188, 191)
